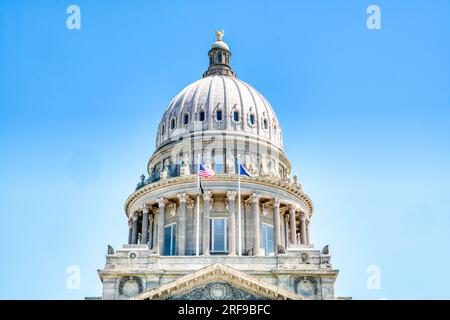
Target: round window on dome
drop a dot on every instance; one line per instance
(186, 119)
(251, 119)
(236, 117)
(172, 124)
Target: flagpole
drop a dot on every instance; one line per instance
(239, 207)
(197, 243)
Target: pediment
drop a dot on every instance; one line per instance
(218, 281)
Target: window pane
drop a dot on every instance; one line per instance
(219, 115)
(174, 239)
(219, 234)
(202, 115)
(167, 238)
(218, 225)
(219, 244)
(252, 119)
(267, 239)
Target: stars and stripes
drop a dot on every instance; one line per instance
(205, 172)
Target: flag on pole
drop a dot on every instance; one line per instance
(205, 172)
(243, 171)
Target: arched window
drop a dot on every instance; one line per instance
(236, 117)
(220, 57)
(265, 124)
(219, 115)
(163, 129)
(172, 123)
(186, 119)
(251, 119)
(201, 116)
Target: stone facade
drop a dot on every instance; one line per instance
(226, 242)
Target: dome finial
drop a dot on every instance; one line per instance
(220, 34)
(219, 57)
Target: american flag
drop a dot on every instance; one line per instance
(205, 172)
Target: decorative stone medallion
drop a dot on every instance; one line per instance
(218, 291)
(130, 286)
(305, 288)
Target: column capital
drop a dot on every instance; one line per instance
(161, 202)
(231, 195)
(182, 197)
(304, 216)
(292, 207)
(253, 199)
(130, 223)
(276, 202)
(135, 215)
(208, 196)
(145, 208)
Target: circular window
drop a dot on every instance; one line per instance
(186, 119)
(172, 124)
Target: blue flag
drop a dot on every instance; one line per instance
(243, 171)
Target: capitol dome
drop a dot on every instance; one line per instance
(224, 118)
(219, 103)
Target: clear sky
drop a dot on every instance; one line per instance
(365, 118)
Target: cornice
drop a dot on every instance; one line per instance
(182, 180)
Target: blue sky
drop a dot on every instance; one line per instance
(365, 118)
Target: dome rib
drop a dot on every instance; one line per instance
(241, 105)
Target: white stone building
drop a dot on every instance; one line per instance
(186, 244)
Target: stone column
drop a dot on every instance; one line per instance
(231, 197)
(150, 231)
(145, 211)
(135, 228)
(160, 240)
(308, 241)
(276, 225)
(303, 228)
(292, 227)
(130, 231)
(207, 204)
(181, 241)
(155, 231)
(286, 229)
(256, 225)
